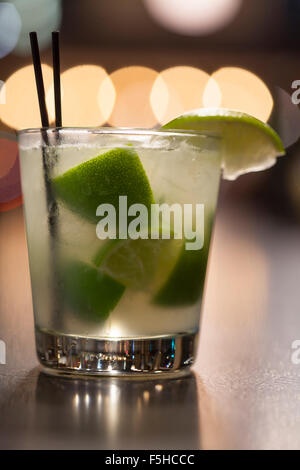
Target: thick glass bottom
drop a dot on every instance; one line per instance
(128, 357)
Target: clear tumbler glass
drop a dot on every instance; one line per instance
(118, 228)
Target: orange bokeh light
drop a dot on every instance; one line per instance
(133, 86)
(7, 206)
(241, 90)
(21, 109)
(8, 155)
(177, 90)
(87, 95)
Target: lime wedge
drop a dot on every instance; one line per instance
(118, 172)
(248, 144)
(140, 264)
(88, 291)
(184, 285)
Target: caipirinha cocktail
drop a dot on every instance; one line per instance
(118, 255)
(119, 288)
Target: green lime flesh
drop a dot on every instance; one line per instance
(101, 180)
(140, 264)
(185, 284)
(89, 292)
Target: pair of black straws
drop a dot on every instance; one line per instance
(40, 82)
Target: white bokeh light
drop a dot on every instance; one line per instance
(10, 28)
(288, 118)
(193, 17)
(42, 16)
(2, 92)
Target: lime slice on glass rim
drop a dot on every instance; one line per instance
(248, 144)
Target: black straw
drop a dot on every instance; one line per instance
(51, 203)
(47, 159)
(56, 78)
(39, 78)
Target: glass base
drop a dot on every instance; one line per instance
(127, 357)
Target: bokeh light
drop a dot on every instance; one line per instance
(212, 95)
(133, 87)
(8, 153)
(193, 17)
(293, 185)
(88, 96)
(106, 98)
(10, 205)
(10, 185)
(2, 92)
(10, 182)
(21, 109)
(176, 90)
(241, 90)
(42, 16)
(288, 118)
(10, 28)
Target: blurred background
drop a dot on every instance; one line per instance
(141, 62)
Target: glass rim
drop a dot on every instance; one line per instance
(119, 131)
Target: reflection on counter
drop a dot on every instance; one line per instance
(104, 414)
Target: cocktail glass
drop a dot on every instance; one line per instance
(124, 304)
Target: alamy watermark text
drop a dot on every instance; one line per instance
(163, 222)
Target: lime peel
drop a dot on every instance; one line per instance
(248, 143)
(102, 180)
(91, 293)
